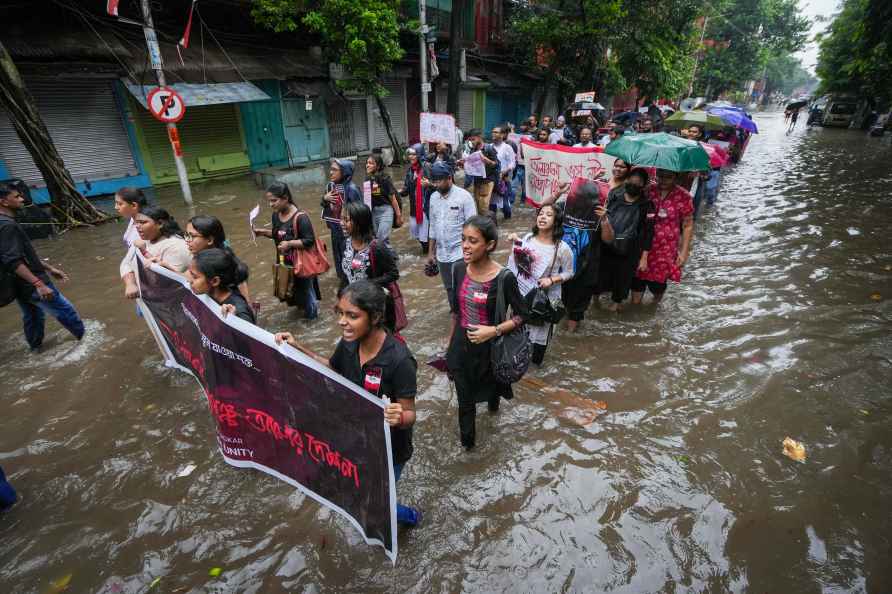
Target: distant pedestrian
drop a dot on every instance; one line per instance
(215, 272)
(503, 193)
(339, 191)
(484, 186)
(386, 211)
(27, 278)
(292, 230)
(450, 208)
(417, 186)
(794, 117)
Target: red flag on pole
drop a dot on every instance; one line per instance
(112, 7)
(185, 40)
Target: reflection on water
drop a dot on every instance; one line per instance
(680, 487)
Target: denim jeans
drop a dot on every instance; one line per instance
(7, 493)
(382, 217)
(338, 246)
(404, 514)
(33, 317)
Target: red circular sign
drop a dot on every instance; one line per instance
(166, 105)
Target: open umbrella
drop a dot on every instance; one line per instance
(734, 117)
(797, 104)
(718, 157)
(660, 150)
(683, 119)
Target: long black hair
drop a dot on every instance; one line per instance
(280, 190)
(167, 223)
(133, 196)
(211, 227)
(361, 217)
(487, 228)
(220, 263)
(368, 297)
(557, 231)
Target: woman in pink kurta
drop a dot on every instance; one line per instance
(674, 220)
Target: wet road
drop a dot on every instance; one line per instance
(781, 327)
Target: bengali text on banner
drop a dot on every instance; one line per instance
(550, 165)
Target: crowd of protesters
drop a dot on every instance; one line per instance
(642, 241)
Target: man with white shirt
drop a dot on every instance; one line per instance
(585, 138)
(450, 207)
(503, 196)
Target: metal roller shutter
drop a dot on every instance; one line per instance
(396, 106)
(360, 125)
(206, 131)
(466, 109)
(85, 123)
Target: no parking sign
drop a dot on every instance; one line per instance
(166, 105)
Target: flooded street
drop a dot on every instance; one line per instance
(780, 328)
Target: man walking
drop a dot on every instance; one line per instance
(450, 207)
(483, 186)
(503, 193)
(29, 278)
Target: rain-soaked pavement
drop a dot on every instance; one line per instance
(780, 328)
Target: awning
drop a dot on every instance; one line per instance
(211, 94)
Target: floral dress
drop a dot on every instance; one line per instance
(671, 210)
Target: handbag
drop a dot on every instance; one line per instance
(542, 309)
(283, 280)
(399, 320)
(510, 353)
(312, 261)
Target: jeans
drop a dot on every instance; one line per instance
(405, 514)
(33, 317)
(338, 246)
(382, 218)
(712, 186)
(7, 494)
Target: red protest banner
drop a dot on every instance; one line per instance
(550, 165)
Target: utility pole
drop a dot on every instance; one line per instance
(172, 133)
(699, 51)
(455, 60)
(422, 46)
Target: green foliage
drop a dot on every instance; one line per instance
(856, 51)
(784, 73)
(748, 33)
(280, 16)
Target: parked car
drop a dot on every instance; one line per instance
(839, 112)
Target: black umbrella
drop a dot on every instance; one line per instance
(797, 104)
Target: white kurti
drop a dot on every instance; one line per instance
(540, 256)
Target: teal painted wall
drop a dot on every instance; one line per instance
(262, 124)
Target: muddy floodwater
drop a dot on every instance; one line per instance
(781, 327)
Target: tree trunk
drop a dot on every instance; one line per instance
(388, 127)
(455, 62)
(70, 208)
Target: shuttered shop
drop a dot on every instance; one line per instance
(211, 138)
(396, 106)
(86, 126)
(465, 106)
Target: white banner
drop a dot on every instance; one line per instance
(550, 165)
(437, 127)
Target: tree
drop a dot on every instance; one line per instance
(739, 38)
(855, 54)
(70, 207)
(784, 73)
(363, 37)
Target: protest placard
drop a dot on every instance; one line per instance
(550, 165)
(277, 410)
(474, 165)
(252, 216)
(437, 127)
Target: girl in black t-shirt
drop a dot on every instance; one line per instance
(386, 211)
(371, 357)
(215, 273)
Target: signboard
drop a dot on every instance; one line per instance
(308, 105)
(550, 165)
(437, 127)
(586, 96)
(166, 105)
(154, 49)
(275, 409)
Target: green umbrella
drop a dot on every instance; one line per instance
(660, 150)
(683, 119)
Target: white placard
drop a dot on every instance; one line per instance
(586, 96)
(550, 165)
(437, 127)
(474, 165)
(367, 193)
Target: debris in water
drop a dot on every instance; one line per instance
(876, 296)
(794, 450)
(59, 585)
(150, 407)
(155, 582)
(215, 571)
(187, 470)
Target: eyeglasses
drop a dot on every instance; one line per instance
(189, 237)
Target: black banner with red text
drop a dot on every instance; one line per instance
(276, 409)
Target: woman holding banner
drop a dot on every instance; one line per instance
(160, 239)
(369, 356)
(216, 273)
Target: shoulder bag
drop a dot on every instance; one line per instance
(311, 261)
(542, 309)
(510, 353)
(400, 320)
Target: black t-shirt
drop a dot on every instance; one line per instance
(492, 171)
(15, 247)
(242, 309)
(284, 230)
(382, 190)
(391, 373)
(624, 216)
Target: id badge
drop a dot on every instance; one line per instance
(479, 298)
(662, 214)
(372, 380)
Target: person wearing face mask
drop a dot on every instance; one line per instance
(450, 207)
(371, 357)
(339, 191)
(418, 188)
(626, 233)
(484, 186)
(673, 232)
